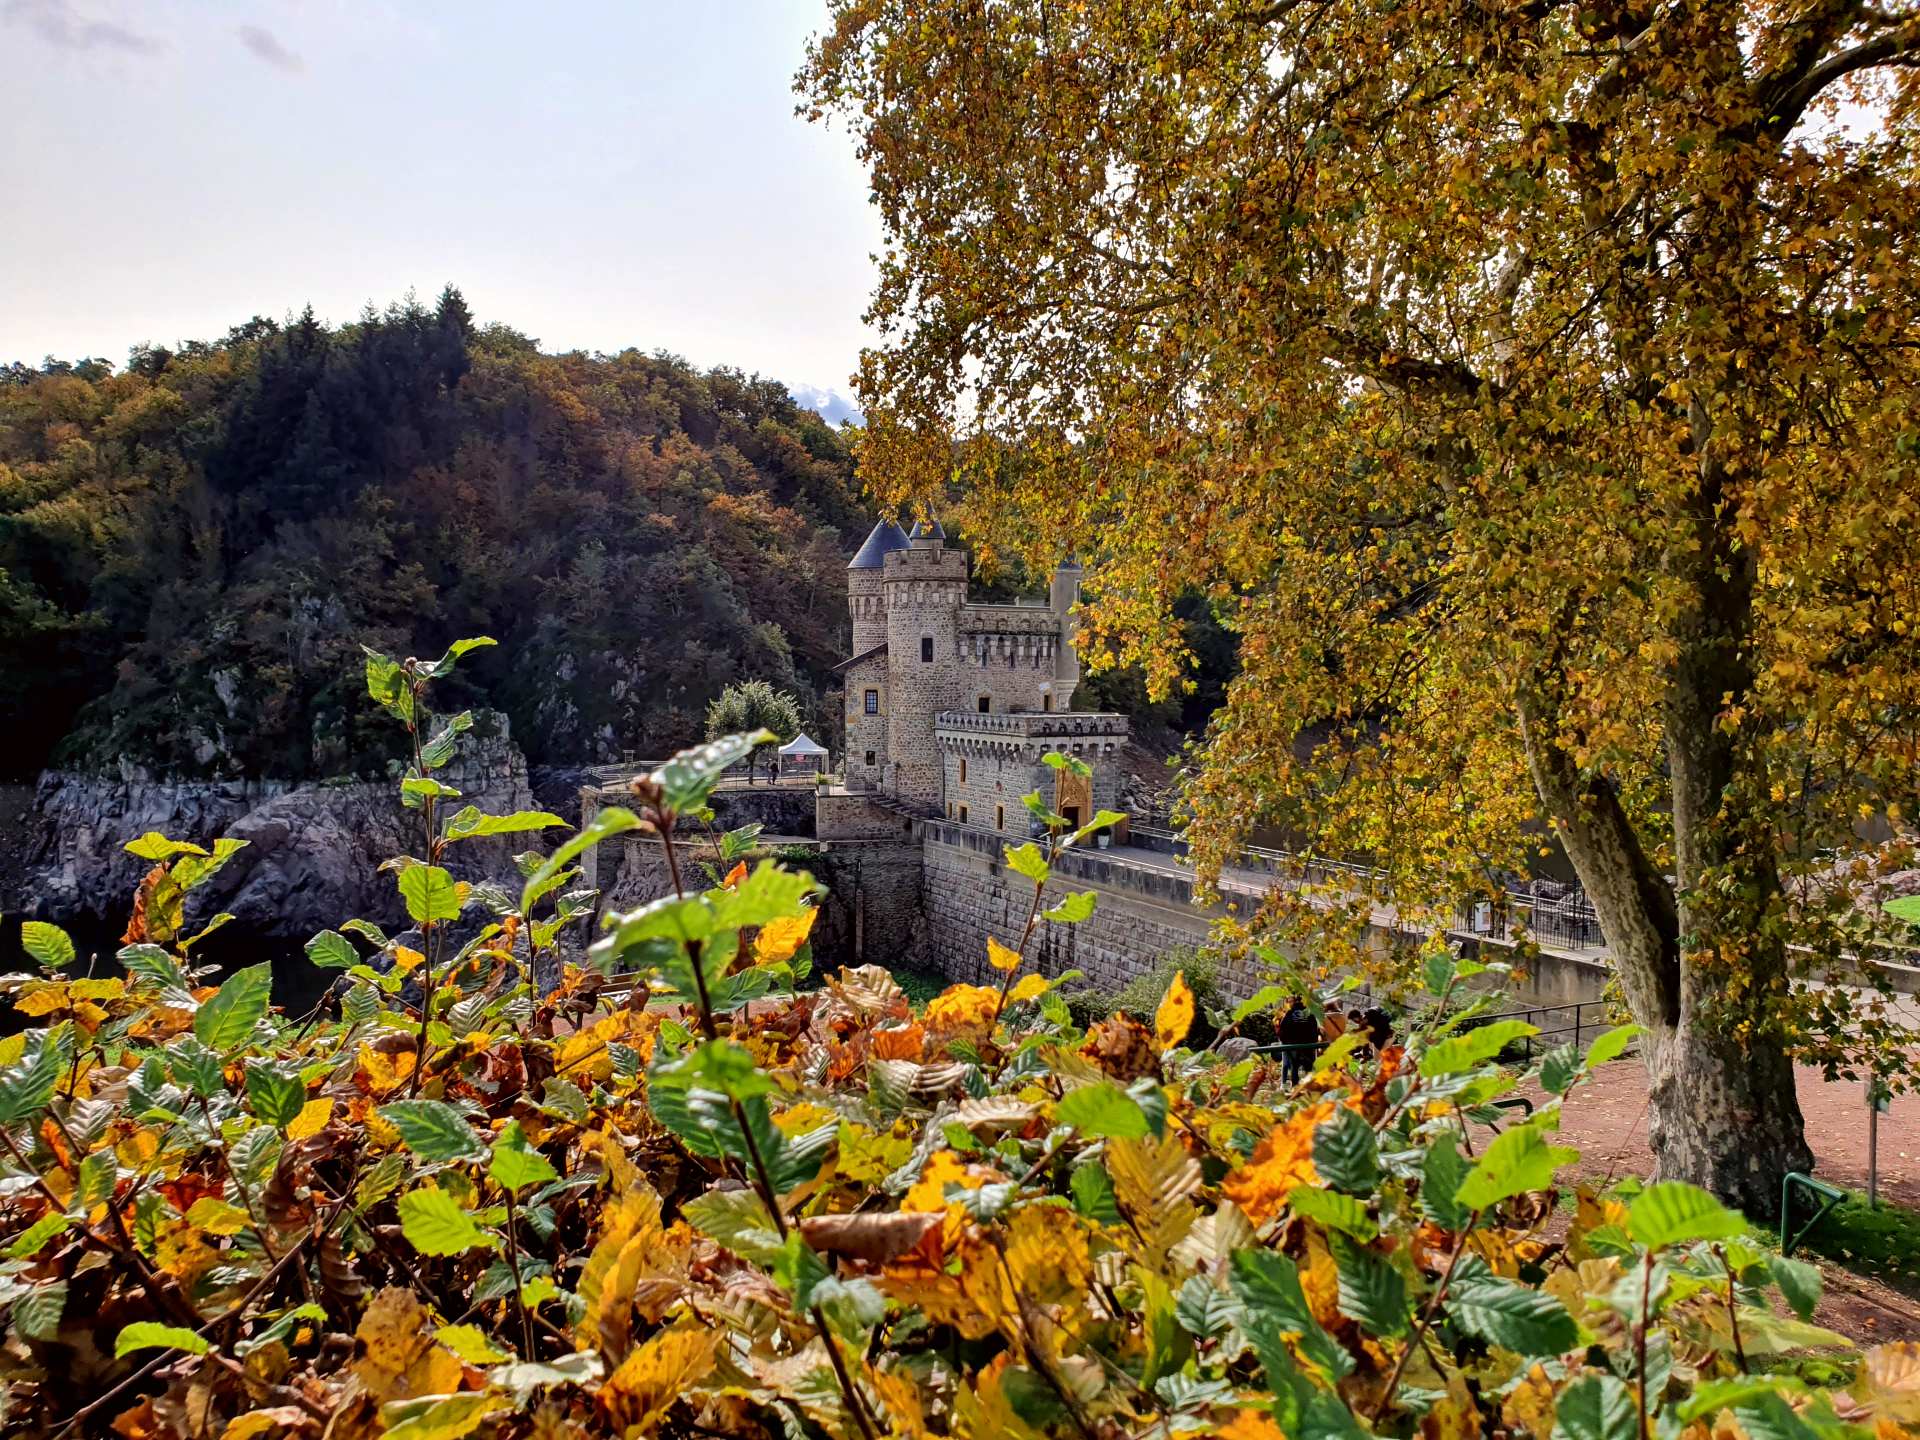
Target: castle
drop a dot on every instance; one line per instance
(952, 703)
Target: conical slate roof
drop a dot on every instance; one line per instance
(924, 529)
(886, 538)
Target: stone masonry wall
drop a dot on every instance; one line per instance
(1139, 915)
(924, 591)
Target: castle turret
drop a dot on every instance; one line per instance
(1063, 593)
(925, 585)
(864, 594)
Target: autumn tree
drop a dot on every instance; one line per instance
(753, 705)
(1532, 384)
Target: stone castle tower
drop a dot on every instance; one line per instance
(921, 651)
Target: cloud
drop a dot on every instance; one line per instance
(264, 45)
(58, 23)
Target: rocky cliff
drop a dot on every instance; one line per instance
(313, 850)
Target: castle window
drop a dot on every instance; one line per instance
(873, 702)
(986, 704)
(999, 817)
(963, 814)
(926, 649)
(1046, 701)
(869, 757)
(963, 769)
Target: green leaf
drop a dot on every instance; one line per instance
(1102, 1109)
(416, 790)
(433, 1130)
(1798, 1281)
(686, 780)
(434, 1224)
(37, 1313)
(195, 870)
(1515, 1317)
(1559, 1068)
(331, 950)
(737, 1220)
(1475, 1047)
(1093, 1194)
(1673, 1212)
(1267, 997)
(1076, 907)
(26, 1087)
(1028, 860)
(227, 1020)
(431, 894)
(47, 944)
(516, 1164)
(1437, 969)
(611, 821)
(1344, 1152)
(1372, 1292)
(439, 750)
(1441, 1173)
(274, 1095)
(470, 822)
(1102, 820)
(1335, 1211)
(1517, 1161)
(1611, 1045)
(1596, 1407)
(387, 683)
(29, 1241)
(771, 892)
(1268, 1287)
(151, 1335)
(443, 667)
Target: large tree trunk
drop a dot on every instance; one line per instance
(1723, 1114)
(1722, 1111)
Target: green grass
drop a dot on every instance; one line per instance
(1881, 1241)
(920, 985)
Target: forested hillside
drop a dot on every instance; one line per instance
(194, 548)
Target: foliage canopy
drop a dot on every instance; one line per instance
(1531, 386)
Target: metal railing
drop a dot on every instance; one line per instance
(1569, 919)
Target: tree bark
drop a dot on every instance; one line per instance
(1722, 1110)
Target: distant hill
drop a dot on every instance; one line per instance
(193, 548)
(830, 405)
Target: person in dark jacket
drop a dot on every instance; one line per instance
(1300, 1034)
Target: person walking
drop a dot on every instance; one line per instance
(1299, 1035)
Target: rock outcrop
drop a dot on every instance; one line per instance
(313, 850)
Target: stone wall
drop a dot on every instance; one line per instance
(1140, 915)
(858, 817)
(866, 734)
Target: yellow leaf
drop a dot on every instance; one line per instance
(471, 1344)
(782, 937)
(638, 1395)
(12, 1048)
(41, 998)
(448, 1418)
(929, 1192)
(97, 989)
(400, 1359)
(960, 1006)
(312, 1119)
(1250, 1425)
(735, 876)
(262, 1422)
(405, 959)
(1175, 1016)
(180, 1249)
(1000, 957)
(1028, 987)
(217, 1217)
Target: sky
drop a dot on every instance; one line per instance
(597, 175)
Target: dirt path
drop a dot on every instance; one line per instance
(1607, 1119)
